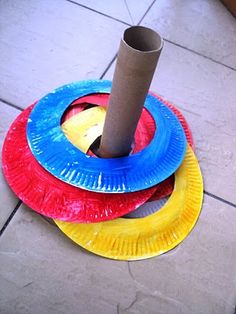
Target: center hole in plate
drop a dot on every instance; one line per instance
(75, 126)
(94, 147)
(87, 136)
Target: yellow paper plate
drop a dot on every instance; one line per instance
(141, 238)
(83, 128)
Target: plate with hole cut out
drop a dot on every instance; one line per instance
(50, 196)
(141, 238)
(131, 173)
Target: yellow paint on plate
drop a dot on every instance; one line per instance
(84, 127)
(141, 238)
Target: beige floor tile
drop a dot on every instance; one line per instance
(8, 200)
(45, 44)
(199, 275)
(138, 9)
(125, 10)
(205, 93)
(42, 271)
(205, 26)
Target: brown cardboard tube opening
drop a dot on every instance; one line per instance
(142, 39)
(138, 55)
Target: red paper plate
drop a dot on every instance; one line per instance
(51, 197)
(81, 104)
(166, 187)
(181, 118)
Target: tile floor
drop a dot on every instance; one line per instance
(47, 43)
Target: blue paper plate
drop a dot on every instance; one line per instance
(132, 173)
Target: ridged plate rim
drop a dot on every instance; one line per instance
(113, 175)
(142, 238)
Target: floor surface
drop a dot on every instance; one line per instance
(48, 43)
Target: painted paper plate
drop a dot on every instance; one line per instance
(77, 106)
(165, 188)
(168, 184)
(132, 173)
(180, 117)
(134, 239)
(84, 102)
(84, 127)
(102, 100)
(51, 197)
(146, 126)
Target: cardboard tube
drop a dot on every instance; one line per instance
(137, 58)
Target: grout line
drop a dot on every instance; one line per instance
(101, 77)
(167, 40)
(10, 104)
(220, 199)
(199, 54)
(108, 67)
(101, 13)
(127, 7)
(149, 8)
(113, 59)
(10, 217)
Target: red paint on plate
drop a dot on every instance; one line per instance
(51, 197)
(166, 187)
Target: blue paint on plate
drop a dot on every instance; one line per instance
(132, 173)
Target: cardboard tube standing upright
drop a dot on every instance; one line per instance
(138, 55)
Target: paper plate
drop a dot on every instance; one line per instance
(146, 127)
(95, 99)
(180, 117)
(83, 128)
(102, 100)
(134, 239)
(165, 188)
(51, 197)
(81, 103)
(168, 184)
(136, 172)
(77, 106)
